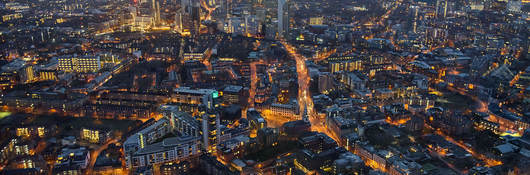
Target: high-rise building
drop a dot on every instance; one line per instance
(203, 104)
(189, 99)
(225, 7)
(414, 16)
(180, 19)
(210, 127)
(188, 18)
(283, 17)
(441, 8)
(211, 3)
(156, 15)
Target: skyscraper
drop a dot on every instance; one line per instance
(157, 15)
(155, 12)
(441, 8)
(211, 3)
(210, 127)
(188, 19)
(283, 17)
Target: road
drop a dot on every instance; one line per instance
(483, 107)
(489, 162)
(95, 153)
(208, 54)
(253, 83)
(305, 100)
(208, 8)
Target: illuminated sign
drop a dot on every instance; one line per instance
(215, 94)
(4, 114)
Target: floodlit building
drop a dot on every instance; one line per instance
(74, 63)
(94, 135)
(210, 128)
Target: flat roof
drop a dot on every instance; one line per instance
(194, 91)
(232, 88)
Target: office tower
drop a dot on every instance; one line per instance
(226, 7)
(188, 99)
(441, 8)
(283, 18)
(179, 22)
(269, 18)
(188, 19)
(157, 14)
(211, 3)
(154, 11)
(195, 19)
(182, 20)
(210, 127)
(414, 15)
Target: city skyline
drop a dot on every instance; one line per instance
(398, 87)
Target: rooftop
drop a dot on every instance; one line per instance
(166, 144)
(232, 89)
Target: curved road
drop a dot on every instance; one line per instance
(94, 155)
